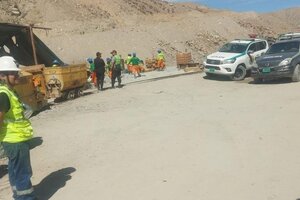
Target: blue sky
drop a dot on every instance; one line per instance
(248, 5)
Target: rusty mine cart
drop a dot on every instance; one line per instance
(39, 81)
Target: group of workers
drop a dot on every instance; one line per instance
(115, 65)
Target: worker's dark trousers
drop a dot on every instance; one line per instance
(116, 74)
(100, 80)
(19, 170)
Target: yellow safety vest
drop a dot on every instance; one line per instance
(128, 59)
(160, 56)
(15, 127)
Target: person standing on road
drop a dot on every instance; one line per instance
(15, 132)
(160, 60)
(129, 66)
(99, 70)
(116, 67)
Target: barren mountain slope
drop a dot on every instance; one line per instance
(82, 27)
(290, 16)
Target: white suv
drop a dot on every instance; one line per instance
(288, 36)
(235, 58)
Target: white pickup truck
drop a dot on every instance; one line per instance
(235, 58)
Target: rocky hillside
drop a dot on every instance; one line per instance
(82, 27)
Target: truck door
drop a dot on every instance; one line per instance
(261, 48)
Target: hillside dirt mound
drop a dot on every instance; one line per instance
(82, 27)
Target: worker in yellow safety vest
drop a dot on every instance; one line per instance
(15, 131)
(160, 60)
(129, 66)
(116, 67)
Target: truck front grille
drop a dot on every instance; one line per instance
(213, 62)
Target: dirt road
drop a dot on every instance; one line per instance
(181, 138)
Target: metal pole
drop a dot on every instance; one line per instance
(33, 45)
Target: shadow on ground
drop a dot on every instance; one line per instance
(217, 78)
(35, 142)
(61, 99)
(3, 170)
(249, 80)
(53, 182)
(273, 82)
(46, 107)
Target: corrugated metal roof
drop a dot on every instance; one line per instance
(15, 40)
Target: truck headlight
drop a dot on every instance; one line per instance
(283, 69)
(229, 61)
(285, 62)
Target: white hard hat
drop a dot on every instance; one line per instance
(8, 64)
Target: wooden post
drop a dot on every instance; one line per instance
(33, 44)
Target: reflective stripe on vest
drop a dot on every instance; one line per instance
(15, 127)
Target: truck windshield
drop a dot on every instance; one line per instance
(285, 47)
(234, 48)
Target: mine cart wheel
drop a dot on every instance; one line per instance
(71, 94)
(64, 95)
(78, 92)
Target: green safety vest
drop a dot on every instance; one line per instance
(15, 127)
(135, 61)
(117, 60)
(92, 67)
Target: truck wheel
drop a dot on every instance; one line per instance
(239, 74)
(296, 74)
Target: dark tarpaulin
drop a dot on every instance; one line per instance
(15, 41)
